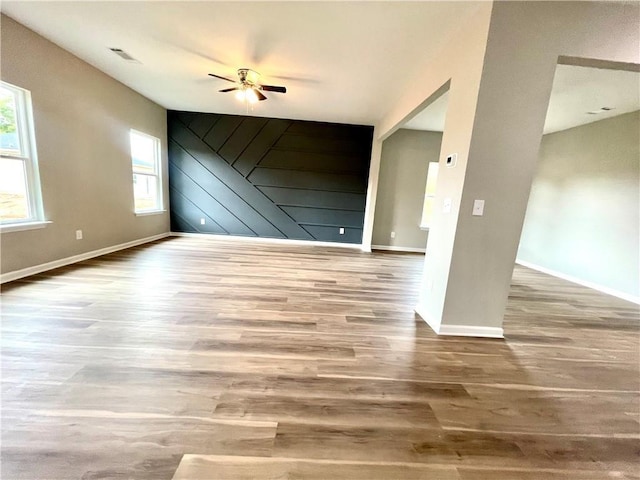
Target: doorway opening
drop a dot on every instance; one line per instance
(583, 215)
(407, 183)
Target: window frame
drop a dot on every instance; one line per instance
(157, 156)
(29, 156)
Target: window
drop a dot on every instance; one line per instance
(147, 180)
(20, 198)
(429, 195)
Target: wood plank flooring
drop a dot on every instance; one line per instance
(196, 358)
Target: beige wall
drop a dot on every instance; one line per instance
(403, 173)
(82, 120)
(583, 217)
(501, 69)
(525, 41)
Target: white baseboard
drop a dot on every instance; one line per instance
(25, 272)
(281, 241)
(422, 312)
(585, 283)
(458, 330)
(391, 248)
(471, 331)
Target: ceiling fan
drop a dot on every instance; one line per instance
(247, 86)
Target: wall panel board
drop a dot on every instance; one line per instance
(265, 177)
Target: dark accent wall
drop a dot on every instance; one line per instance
(267, 177)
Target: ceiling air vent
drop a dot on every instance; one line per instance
(603, 109)
(124, 55)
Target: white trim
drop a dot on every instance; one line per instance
(393, 248)
(25, 272)
(281, 241)
(422, 313)
(372, 191)
(28, 150)
(471, 331)
(19, 227)
(458, 330)
(585, 283)
(145, 213)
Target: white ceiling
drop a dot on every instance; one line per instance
(340, 61)
(576, 91)
(432, 117)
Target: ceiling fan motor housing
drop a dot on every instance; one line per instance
(248, 80)
(243, 75)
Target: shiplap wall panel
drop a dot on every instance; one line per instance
(318, 162)
(187, 118)
(316, 198)
(314, 143)
(225, 196)
(328, 182)
(330, 234)
(260, 146)
(325, 217)
(209, 205)
(264, 177)
(200, 124)
(181, 138)
(237, 142)
(190, 216)
(221, 130)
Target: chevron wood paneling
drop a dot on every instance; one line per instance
(264, 177)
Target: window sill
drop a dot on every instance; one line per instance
(149, 212)
(18, 227)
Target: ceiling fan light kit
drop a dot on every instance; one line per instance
(248, 88)
(248, 95)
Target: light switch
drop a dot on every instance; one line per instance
(446, 205)
(478, 208)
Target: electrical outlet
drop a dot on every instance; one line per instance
(393, 234)
(78, 234)
(202, 222)
(341, 230)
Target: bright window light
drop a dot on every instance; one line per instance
(20, 194)
(429, 195)
(147, 178)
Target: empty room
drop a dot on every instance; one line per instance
(320, 240)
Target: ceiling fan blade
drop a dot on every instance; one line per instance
(259, 95)
(221, 78)
(224, 90)
(273, 88)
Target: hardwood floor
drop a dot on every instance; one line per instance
(199, 359)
